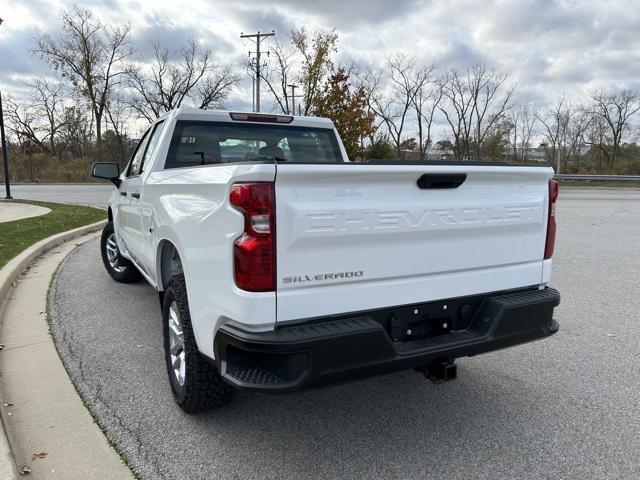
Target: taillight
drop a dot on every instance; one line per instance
(254, 251)
(551, 221)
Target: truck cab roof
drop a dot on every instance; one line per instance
(188, 113)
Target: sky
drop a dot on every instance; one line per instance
(548, 47)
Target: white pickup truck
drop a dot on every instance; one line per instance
(280, 265)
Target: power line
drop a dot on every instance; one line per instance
(258, 65)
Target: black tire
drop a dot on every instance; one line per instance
(126, 272)
(202, 387)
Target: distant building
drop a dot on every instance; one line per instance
(531, 154)
(542, 154)
(439, 154)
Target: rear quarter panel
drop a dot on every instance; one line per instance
(190, 208)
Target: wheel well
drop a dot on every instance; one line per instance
(109, 214)
(170, 263)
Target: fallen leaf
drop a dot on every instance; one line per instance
(25, 470)
(611, 334)
(39, 455)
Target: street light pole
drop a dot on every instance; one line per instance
(5, 154)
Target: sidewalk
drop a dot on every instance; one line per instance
(10, 211)
(50, 430)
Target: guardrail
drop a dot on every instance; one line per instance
(598, 178)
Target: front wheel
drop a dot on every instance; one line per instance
(195, 382)
(118, 267)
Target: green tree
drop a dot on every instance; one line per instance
(495, 143)
(316, 61)
(381, 149)
(347, 107)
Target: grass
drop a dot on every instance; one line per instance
(16, 236)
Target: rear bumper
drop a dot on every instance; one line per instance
(340, 349)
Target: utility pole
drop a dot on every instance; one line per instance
(258, 65)
(5, 154)
(293, 97)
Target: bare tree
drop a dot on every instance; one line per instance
(523, 121)
(457, 111)
(555, 121)
(393, 105)
(90, 55)
(476, 100)
(214, 90)
(119, 116)
(615, 109)
(576, 135)
(426, 100)
(595, 136)
(279, 74)
(38, 120)
(77, 130)
(370, 81)
(167, 83)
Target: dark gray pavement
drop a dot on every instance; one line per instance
(565, 407)
(94, 195)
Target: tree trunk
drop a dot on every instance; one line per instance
(99, 134)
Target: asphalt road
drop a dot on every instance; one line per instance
(564, 407)
(94, 195)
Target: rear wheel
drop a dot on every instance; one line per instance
(118, 267)
(196, 383)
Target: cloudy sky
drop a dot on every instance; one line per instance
(549, 47)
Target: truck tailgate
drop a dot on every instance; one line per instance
(353, 237)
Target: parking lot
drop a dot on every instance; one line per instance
(564, 407)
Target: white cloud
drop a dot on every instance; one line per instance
(550, 47)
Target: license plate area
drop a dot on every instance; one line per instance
(403, 328)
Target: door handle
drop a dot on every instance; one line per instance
(441, 180)
(123, 193)
(135, 195)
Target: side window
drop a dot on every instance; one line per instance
(151, 145)
(136, 160)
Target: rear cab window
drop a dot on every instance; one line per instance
(195, 143)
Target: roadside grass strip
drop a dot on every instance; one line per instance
(18, 235)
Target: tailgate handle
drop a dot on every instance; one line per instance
(441, 180)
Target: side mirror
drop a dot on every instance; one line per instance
(107, 170)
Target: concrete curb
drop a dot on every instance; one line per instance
(12, 270)
(8, 275)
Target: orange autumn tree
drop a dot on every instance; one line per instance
(346, 106)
